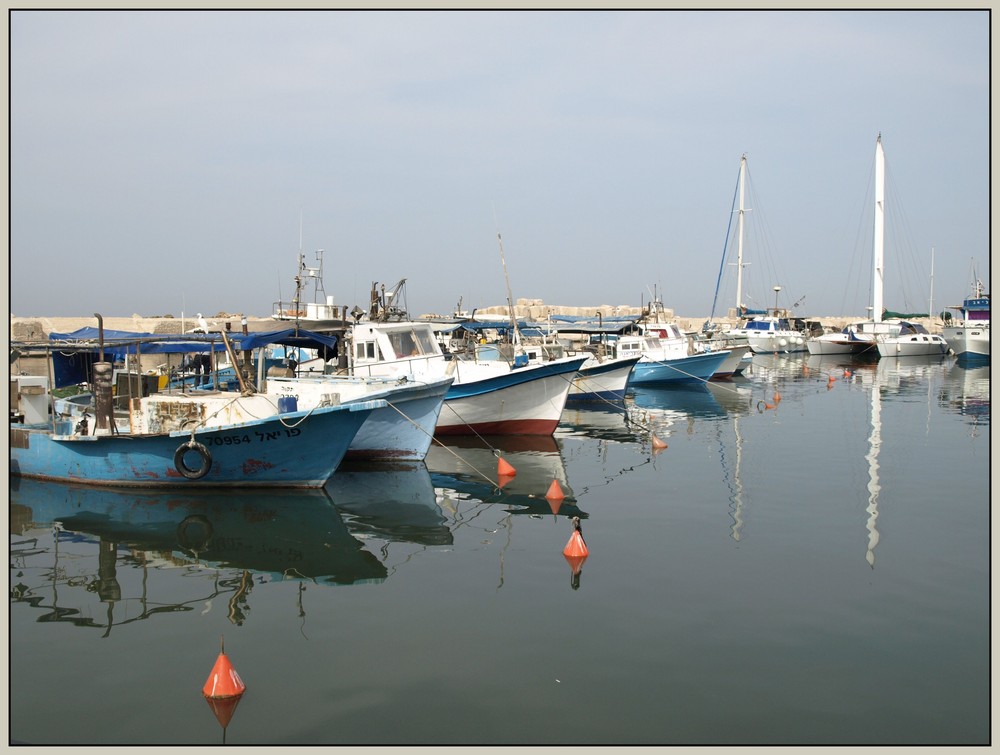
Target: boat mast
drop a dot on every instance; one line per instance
(515, 333)
(879, 239)
(739, 246)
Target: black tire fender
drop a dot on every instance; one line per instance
(204, 455)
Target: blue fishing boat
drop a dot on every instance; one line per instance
(660, 365)
(293, 449)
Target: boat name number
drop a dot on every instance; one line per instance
(235, 440)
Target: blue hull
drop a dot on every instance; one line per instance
(699, 367)
(296, 450)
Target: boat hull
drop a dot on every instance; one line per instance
(602, 381)
(732, 364)
(969, 342)
(840, 346)
(917, 345)
(401, 431)
(777, 342)
(296, 450)
(694, 368)
(523, 401)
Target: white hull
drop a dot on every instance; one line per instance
(597, 380)
(839, 344)
(913, 345)
(969, 340)
(776, 342)
(526, 408)
(402, 431)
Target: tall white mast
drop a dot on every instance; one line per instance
(879, 243)
(739, 247)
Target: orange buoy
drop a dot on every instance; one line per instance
(223, 681)
(503, 480)
(504, 469)
(576, 547)
(223, 708)
(777, 397)
(768, 406)
(657, 443)
(555, 492)
(847, 373)
(576, 553)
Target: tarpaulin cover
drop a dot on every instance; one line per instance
(73, 354)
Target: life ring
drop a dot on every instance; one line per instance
(194, 533)
(198, 472)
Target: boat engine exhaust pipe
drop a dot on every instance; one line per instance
(103, 402)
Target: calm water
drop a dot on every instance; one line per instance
(812, 573)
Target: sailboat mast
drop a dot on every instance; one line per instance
(930, 304)
(739, 246)
(879, 240)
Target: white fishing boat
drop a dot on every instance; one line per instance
(488, 397)
(602, 378)
(969, 337)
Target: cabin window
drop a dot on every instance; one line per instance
(364, 350)
(425, 342)
(403, 344)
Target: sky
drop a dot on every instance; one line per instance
(175, 162)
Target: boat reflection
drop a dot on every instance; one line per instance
(108, 545)
(394, 503)
(905, 376)
(608, 421)
(469, 466)
(771, 366)
(966, 391)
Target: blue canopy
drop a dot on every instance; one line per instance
(73, 354)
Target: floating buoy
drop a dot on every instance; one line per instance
(777, 397)
(223, 681)
(847, 373)
(223, 708)
(658, 444)
(504, 469)
(576, 547)
(555, 492)
(576, 553)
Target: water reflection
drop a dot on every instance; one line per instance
(394, 503)
(469, 466)
(109, 546)
(606, 422)
(965, 390)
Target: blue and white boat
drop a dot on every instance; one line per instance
(969, 337)
(603, 379)
(659, 364)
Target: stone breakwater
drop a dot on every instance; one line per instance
(39, 328)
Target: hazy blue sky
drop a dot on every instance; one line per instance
(161, 161)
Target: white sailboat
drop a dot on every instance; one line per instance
(860, 338)
(768, 333)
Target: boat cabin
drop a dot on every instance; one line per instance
(385, 348)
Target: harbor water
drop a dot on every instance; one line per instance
(798, 556)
